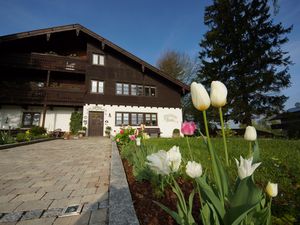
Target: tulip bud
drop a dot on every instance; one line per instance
(272, 189)
(218, 94)
(193, 169)
(200, 97)
(250, 133)
(188, 128)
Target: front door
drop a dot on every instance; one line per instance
(96, 123)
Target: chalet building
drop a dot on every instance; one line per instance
(47, 74)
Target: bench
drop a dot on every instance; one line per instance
(152, 131)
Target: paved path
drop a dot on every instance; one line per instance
(37, 182)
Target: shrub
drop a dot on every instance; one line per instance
(6, 138)
(176, 133)
(75, 122)
(37, 131)
(108, 130)
(23, 137)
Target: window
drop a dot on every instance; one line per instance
(125, 89)
(147, 91)
(97, 86)
(119, 89)
(98, 59)
(153, 91)
(133, 89)
(140, 90)
(136, 119)
(118, 119)
(31, 119)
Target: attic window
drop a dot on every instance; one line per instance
(98, 59)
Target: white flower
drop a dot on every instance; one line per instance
(218, 94)
(272, 189)
(200, 97)
(193, 169)
(245, 167)
(174, 158)
(250, 133)
(159, 163)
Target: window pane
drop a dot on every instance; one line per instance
(118, 118)
(36, 119)
(125, 118)
(148, 119)
(118, 89)
(153, 120)
(134, 119)
(100, 87)
(125, 89)
(94, 86)
(140, 118)
(133, 89)
(140, 90)
(27, 119)
(95, 59)
(153, 91)
(101, 60)
(147, 91)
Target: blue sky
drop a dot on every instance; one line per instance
(145, 28)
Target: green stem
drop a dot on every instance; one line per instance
(188, 143)
(206, 127)
(250, 149)
(223, 134)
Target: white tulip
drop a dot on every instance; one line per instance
(272, 189)
(218, 94)
(193, 169)
(245, 167)
(174, 158)
(200, 97)
(159, 163)
(250, 133)
(138, 141)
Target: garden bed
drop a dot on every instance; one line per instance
(17, 144)
(280, 164)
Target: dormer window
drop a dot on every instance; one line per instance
(98, 59)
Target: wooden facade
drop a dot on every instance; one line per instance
(54, 67)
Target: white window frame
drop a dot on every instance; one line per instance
(98, 59)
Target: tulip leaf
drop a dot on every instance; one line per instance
(205, 214)
(172, 213)
(208, 194)
(246, 197)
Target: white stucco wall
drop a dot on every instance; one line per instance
(167, 118)
(57, 117)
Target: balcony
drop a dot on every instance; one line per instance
(41, 61)
(50, 96)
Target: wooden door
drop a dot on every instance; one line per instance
(96, 123)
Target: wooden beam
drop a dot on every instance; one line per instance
(48, 36)
(143, 68)
(45, 100)
(77, 31)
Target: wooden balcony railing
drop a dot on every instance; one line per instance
(44, 62)
(41, 96)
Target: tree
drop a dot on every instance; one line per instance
(177, 64)
(242, 48)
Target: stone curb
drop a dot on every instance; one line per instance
(6, 146)
(121, 210)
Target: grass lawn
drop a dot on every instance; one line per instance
(280, 164)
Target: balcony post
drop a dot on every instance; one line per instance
(45, 100)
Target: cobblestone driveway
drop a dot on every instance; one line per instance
(38, 181)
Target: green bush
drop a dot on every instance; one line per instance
(36, 130)
(75, 122)
(21, 137)
(6, 138)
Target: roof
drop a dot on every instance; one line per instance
(80, 28)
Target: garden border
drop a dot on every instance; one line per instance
(7, 146)
(121, 209)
